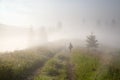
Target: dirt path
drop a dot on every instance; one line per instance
(70, 68)
(36, 71)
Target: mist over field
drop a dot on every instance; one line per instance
(59, 40)
(60, 19)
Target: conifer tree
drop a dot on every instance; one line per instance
(92, 43)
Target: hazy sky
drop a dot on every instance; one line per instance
(78, 17)
(49, 12)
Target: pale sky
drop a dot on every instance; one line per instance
(49, 12)
(79, 18)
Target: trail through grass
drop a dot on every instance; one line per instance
(58, 64)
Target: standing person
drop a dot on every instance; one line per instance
(70, 46)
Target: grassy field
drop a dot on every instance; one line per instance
(85, 65)
(20, 64)
(54, 69)
(58, 64)
(96, 66)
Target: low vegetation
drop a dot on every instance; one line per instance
(54, 69)
(57, 64)
(19, 64)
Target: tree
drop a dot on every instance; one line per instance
(31, 36)
(92, 43)
(43, 35)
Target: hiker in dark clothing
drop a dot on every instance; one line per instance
(70, 46)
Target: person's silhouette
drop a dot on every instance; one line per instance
(70, 46)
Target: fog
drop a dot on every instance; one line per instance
(25, 23)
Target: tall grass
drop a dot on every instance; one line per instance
(54, 69)
(19, 64)
(85, 65)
